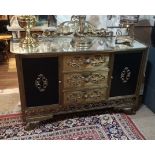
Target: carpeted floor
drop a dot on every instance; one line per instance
(98, 127)
(9, 101)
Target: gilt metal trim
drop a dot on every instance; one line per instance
(125, 75)
(41, 82)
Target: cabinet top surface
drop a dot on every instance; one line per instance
(62, 45)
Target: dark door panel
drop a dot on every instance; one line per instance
(125, 73)
(40, 77)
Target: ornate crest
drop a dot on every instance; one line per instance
(125, 75)
(41, 82)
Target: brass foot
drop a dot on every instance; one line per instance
(31, 126)
(35, 124)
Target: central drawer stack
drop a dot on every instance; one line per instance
(85, 78)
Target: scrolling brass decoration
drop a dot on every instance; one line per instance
(80, 27)
(85, 96)
(128, 22)
(92, 61)
(125, 75)
(41, 82)
(82, 31)
(82, 79)
(124, 102)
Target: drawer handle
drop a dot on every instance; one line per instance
(86, 79)
(87, 61)
(86, 75)
(85, 96)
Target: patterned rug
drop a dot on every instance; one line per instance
(97, 127)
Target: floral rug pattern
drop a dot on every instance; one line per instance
(98, 127)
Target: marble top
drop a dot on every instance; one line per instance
(62, 44)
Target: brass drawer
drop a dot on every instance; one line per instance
(85, 62)
(85, 96)
(85, 79)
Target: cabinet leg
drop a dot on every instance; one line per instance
(31, 125)
(35, 124)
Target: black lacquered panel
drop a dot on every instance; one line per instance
(125, 73)
(41, 81)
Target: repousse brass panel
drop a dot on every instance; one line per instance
(85, 62)
(85, 79)
(85, 96)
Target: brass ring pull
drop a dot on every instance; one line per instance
(87, 61)
(85, 96)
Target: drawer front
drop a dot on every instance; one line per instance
(85, 79)
(85, 62)
(87, 96)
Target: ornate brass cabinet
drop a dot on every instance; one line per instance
(54, 80)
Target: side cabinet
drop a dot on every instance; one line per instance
(52, 84)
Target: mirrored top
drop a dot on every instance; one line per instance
(64, 44)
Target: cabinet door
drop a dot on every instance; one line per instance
(125, 73)
(40, 78)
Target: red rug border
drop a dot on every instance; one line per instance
(10, 115)
(133, 123)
